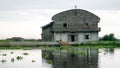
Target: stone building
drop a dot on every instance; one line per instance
(75, 25)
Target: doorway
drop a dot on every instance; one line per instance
(72, 38)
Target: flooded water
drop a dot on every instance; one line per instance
(22, 59)
(69, 58)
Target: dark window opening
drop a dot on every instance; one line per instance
(64, 25)
(86, 24)
(72, 38)
(86, 36)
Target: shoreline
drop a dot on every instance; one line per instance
(97, 44)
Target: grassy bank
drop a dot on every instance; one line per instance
(98, 44)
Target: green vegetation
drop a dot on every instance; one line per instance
(3, 61)
(25, 54)
(106, 41)
(6, 41)
(33, 61)
(101, 44)
(19, 57)
(93, 44)
(4, 54)
(16, 47)
(109, 37)
(49, 61)
(11, 52)
(12, 60)
(19, 39)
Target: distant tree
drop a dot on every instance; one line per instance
(109, 37)
(105, 37)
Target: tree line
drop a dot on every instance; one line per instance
(109, 37)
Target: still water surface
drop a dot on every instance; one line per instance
(70, 58)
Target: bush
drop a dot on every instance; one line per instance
(109, 37)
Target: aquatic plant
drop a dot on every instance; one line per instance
(19, 57)
(3, 61)
(25, 54)
(33, 61)
(11, 52)
(4, 54)
(82, 53)
(12, 60)
(49, 61)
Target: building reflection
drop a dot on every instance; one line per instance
(72, 58)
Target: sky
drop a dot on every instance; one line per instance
(24, 18)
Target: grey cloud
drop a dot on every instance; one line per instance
(24, 15)
(58, 4)
(104, 4)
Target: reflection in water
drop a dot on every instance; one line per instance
(72, 58)
(68, 58)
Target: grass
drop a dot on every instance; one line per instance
(16, 47)
(98, 44)
(49, 61)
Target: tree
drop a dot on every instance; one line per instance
(109, 37)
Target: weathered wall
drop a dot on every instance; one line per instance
(47, 34)
(92, 37)
(61, 36)
(80, 37)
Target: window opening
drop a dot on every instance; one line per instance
(87, 37)
(64, 25)
(72, 38)
(86, 24)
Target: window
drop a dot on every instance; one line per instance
(65, 25)
(87, 37)
(86, 24)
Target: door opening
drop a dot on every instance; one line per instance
(72, 38)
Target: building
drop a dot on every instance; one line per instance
(75, 25)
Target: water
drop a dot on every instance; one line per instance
(32, 60)
(70, 58)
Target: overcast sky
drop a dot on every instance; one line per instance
(23, 18)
